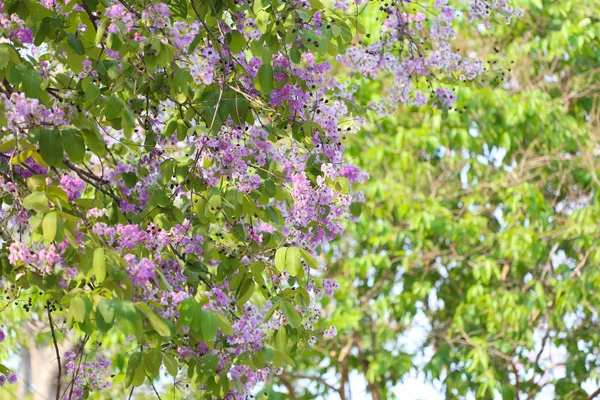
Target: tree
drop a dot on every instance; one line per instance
(480, 230)
(169, 173)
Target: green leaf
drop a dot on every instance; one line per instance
(236, 42)
(94, 141)
(170, 127)
(130, 179)
(265, 78)
(281, 359)
(50, 225)
(224, 325)
(99, 264)
(100, 32)
(156, 321)
(209, 325)
(105, 314)
(126, 317)
(355, 209)
(114, 107)
(128, 122)
(310, 260)
(30, 80)
(179, 8)
(245, 291)
(292, 261)
(280, 256)
(181, 130)
(152, 361)
(208, 364)
(171, 364)
(75, 43)
(281, 339)
(74, 145)
(295, 55)
(91, 92)
(36, 201)
(187, 311)
(51, 147)
(292, 316)
(4, 55)
(181, 79)
(136, 373)
(77, 309)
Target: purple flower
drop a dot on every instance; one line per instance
(12, 379)
(72, 186)
(330, 333)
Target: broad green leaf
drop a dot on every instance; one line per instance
(91, 92)
(281, 359)
(209, 325)
(181, 79)
(4, 55)
(224, 325)
(280, 257)
(245, 291)
(136, 372)
(127, 317)
(99, 264)
(50, 225)
(293, 317)
(155, 321)
(94, 141)
(74, 144)
(75, 43)
(170, 364)
(51, 147)
(281, 339)
(114, 107)
(128, 122)
(187, 311)
(78, 309)
(105, 314)
(265, 78)
(310, 260)
(355, 209)
(292, 261)
(236, 42)
(152, 361)
(29, 79)
(208, 364)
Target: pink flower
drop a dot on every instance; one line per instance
(330, 333)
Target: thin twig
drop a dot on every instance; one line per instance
(153, 388)
(59, 375)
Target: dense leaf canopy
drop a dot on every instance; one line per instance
(184, 186)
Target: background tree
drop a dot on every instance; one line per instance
(170, 171)
(480, 231)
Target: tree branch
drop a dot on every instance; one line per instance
(593, 395)
(87, 9)
(59, 374)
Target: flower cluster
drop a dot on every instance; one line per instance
(15, 26)
(184, 155)
(23, 113)
(89, 375)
